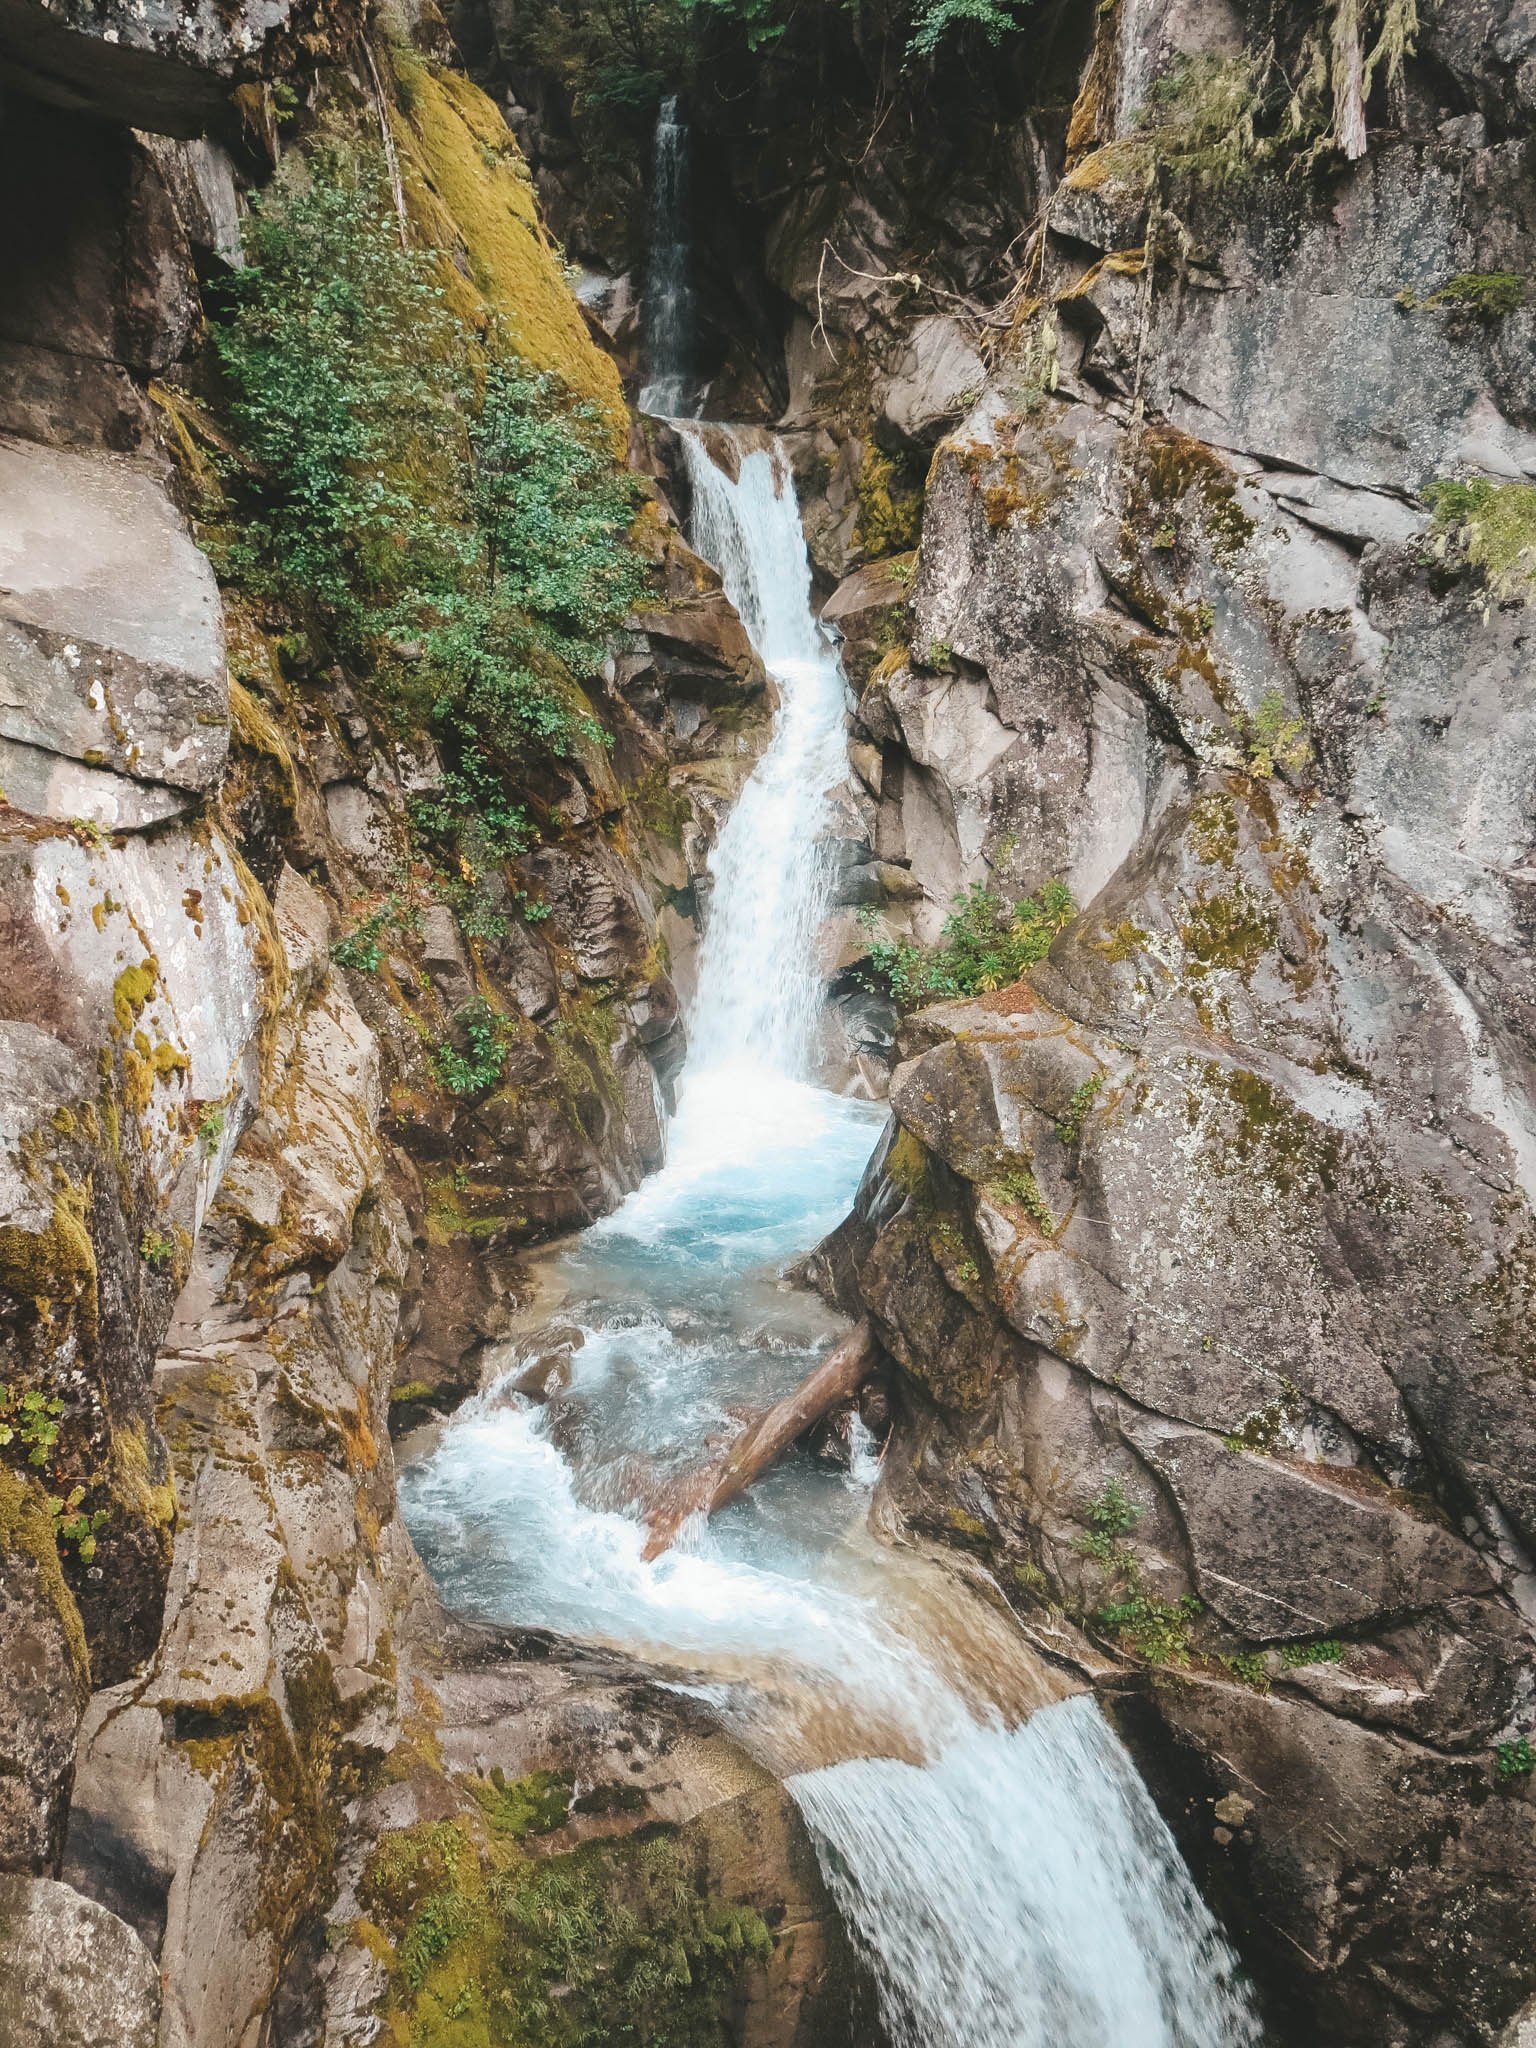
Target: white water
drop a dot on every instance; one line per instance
(758, 986)
(667, 310)
(993, 1852)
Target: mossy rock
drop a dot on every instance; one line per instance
(467, 185)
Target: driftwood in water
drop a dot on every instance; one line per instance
(838, 1378)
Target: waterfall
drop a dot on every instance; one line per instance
(996, 1858)
(1021, 1891)
(759, 990)
(668, 305)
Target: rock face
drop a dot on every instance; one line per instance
(244, 1216)
(75, 1976)
(1204, 1254)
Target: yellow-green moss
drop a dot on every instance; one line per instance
(27, 1527)
(132, 990)
(56, 1263)
(466, 184)
(890, 508)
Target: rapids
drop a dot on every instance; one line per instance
(992, 1850)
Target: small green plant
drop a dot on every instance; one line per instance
(157, 1250)
(1515, 1759)
(75, 1524)
(1488, 526)
(986, 944)
(97, 837)
(1323, 1650)
(477, 1067)
(1019, 1185)
(1113, 1514)
(1155, 1629)
(32, 1418)
(938, 655)
(1274, 739)
(210, 1126)
(1251, 1667)
(363, 948)
(1070, 1128)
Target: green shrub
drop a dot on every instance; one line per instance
(1515, 1759)
(442, 517)
(347, 377)
(477, 1067)
(1113, 1515)
(986, 944)
(1155, 1629)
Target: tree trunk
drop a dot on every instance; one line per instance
(838, 1378)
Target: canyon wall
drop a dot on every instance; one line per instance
(285, 1091)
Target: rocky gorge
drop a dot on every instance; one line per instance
(1158, 385)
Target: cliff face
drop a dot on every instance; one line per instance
(261, 1181)
(1204, 1254)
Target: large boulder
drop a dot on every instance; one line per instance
(75, 1975)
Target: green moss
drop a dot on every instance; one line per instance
(56, 1263)
(468, 187)
(1174, 471)
(489, 1947)
(132, 990)
(26, 1527)
(890, 506)
(518, 1807)
(1490, 294)
(1252, 1129)
(1213, 829)
(1228, 928)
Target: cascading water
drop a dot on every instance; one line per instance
(758, 987)
(994, 1854)
(667, 310)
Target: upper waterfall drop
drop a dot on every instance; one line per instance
(760, 989)
(667, 308)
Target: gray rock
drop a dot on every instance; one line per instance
(937, 378)
(111, 631)
(75, 1976)
(159, 66)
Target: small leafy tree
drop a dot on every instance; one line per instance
(346, 373)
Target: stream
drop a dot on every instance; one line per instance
(988, 1842)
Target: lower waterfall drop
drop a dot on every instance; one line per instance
(993, 1852)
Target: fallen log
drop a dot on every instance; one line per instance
(838, 1378)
